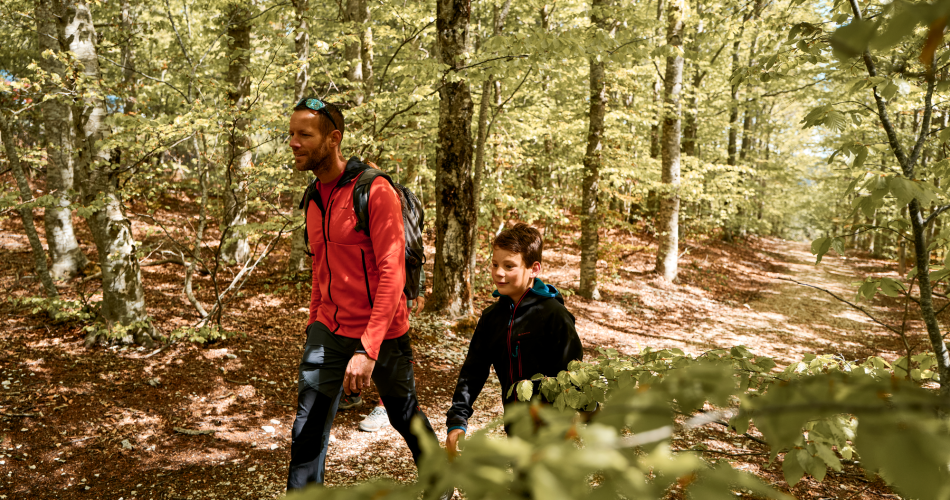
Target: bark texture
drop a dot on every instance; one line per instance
(590, 240)
(235, 247)
(668, 217)
(123, 297)
(26, 213)
(484, 125)
(65, 254)
(455, 204)
(359, 53)
(298, 261)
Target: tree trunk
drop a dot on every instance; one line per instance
(500, 14)
(733, 108)
(668, 218)
(690, 129)
(921, 252)
(26, 213)
(482, 137)
(299, 262)
(129, 81)
(455, 205)
(235, 247)
(65, 254)
(590, 241)
(657, 93)
(123, 297)
(356, 15)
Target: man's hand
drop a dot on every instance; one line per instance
(451, 442)
(359, 372)
(418, 303)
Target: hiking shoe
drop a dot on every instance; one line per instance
(350, 401)
(376, 420)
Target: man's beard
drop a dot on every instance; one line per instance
(318, 161)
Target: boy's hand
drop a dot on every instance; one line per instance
(359, 372)
(452, 441)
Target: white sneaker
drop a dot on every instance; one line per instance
(376, 420)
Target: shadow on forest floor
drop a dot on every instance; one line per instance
(100, 423)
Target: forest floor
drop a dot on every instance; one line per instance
(101, 422)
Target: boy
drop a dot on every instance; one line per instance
(528, 331)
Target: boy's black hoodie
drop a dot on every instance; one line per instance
(534, 335)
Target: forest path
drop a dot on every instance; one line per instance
(724, 301)
(121, 405)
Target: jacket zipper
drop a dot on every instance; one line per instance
(326, 255)
(511, 369)
(366, 278)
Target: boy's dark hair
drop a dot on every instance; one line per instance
(333, 117)
(522, 239)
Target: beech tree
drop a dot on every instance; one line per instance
(454, 193)
(668, 217)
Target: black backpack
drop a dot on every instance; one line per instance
(413, 218)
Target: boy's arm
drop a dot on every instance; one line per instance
(471, 380)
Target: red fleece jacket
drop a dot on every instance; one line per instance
(358, 281)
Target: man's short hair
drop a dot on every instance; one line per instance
(331, 120)
(522, 239)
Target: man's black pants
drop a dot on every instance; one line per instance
(320, 386)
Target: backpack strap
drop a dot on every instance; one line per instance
(361, 196)
(311, 193)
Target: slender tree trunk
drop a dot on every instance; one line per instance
(26, 213)
(668, 219)
(921, 252)
(657, 95)
(690, 129)
(129, 82)
(356, 15)
(484, 106)
(733, 108)
(123, 296)
(455, 205)
(235, 246)
(65, 254)
(590, 241)
(299, 262)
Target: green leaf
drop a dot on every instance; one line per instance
(792, 468)
(852, 40)
(891, 287)
(525, 390)
(820, 247)
(897, 28)
(889, 91)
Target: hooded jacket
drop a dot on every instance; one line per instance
(534, 335)
(357, 280)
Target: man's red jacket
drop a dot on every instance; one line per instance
(358, 281)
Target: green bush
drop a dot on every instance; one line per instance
(814, 412)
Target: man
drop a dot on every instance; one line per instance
(358, 316)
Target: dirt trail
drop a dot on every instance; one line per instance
(777, 317)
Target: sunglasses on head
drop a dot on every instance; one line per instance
(318, 106)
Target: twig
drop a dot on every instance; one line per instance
(192, 432)
(236, 381)
(18, 415)
(855, 494)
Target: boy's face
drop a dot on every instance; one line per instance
(511, 275)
